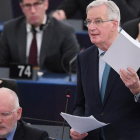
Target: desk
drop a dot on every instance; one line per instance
(46, 97)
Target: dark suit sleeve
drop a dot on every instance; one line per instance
(131, 27)
(79, 106)
(69, 6)
(129, 9)
(4, 51)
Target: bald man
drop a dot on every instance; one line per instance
(11, 127)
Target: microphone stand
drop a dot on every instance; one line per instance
(67, 95)
(70, 63)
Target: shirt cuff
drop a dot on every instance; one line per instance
(136, 97)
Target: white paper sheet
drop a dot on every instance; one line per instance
(123, 53)
(82, 124)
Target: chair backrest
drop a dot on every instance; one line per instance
(5, 10)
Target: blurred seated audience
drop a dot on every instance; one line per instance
(38, 39)
(132, 27)
(11, 125)
(10, 84)
(129, 9)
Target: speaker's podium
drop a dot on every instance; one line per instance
(19, 72)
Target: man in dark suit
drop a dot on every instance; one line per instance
(119, 104)
(10, 113)
(132, 27)
(129, 9)
(56, 42)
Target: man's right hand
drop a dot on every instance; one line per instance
(138, 32)
(59, 14)
(77, 136)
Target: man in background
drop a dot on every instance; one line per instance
(38, 39)
(11, 127)
(129, 9)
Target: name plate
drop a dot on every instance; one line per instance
(21, 71)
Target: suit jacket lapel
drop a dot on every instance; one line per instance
(93, 76)
(19, 132)
(46, 40)
(21, 41)
(113, 76)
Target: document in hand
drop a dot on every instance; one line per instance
(82, 124)
(123, 53)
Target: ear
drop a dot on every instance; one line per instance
(114, 25)
(19, 113)
(46, 2)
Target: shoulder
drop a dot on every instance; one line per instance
(87, 54)
(88, 51)
(59, 25)
(14, 22)
(30, 132)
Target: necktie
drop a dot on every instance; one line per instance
(104, 81)
(33, 50)
(103, 88)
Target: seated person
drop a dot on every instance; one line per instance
(38, 39)
(129, 9)
(132, 27)
(9, 84)
(11, 127)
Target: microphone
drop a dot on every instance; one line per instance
(68, 93)
(70, 64)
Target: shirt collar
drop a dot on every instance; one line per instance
(11, 135)
(100, 51)
(29, 26)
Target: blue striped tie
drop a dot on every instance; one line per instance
(103, 88)
(104, 80)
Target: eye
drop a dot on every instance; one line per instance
(5, 114)
(98, 21)
(27, 5)
(89, 22)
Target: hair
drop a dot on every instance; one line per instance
(113, 10)
(15, 97)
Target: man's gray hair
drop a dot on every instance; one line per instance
(15, 97)
(113, 10)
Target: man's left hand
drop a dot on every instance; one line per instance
(131, 80)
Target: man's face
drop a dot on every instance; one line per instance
(34, 11)
(100, 34)
(8, 123)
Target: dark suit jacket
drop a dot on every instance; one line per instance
(27, 132)
(118, 108)
(59, 45)
(131, 27)
(129, 9)
(9, 84)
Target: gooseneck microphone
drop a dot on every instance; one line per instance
(70, 65)
(68, 93)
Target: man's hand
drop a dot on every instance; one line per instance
(76, 136)
(138, 32)
(59, 14)
(131, 80)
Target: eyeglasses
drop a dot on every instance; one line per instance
(97, 22)
(36, 5)
(5, 115)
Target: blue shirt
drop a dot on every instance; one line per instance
(11, 135)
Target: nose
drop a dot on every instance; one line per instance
(33, 9)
